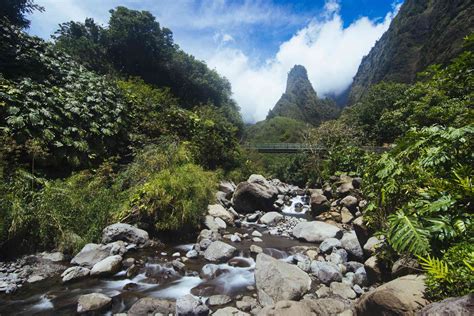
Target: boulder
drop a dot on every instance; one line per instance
(255, 194)
(189, 305)
(316, 231)
(343, 290)
(93, 302)
(328, 306)
(108, 266)
(346, 216)
(345, 189)
(74, 273)
(361, 230)
(404, 266)
(271, 218)
(286, 308)
(125, 232)
(93, 253)
(456, 306)
(402, 296)
(229, 311)
(53, 256)
(372, 244)
(350, 202)
(216, 300)
(373, 269)
(228, 187)
(217, 210)
(319, 203)
(214, 223)
(351, 244)
(328, 244)
(277, 280)
(326, 272)
(151, 306)
(219, 251)
(247, 304)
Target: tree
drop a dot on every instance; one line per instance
(15, 10)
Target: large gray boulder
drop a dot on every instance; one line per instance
(351, 244)
(93, 302)
(219, 251)
(277, 280)
(256, 194)
(271, 218)
(402, 296)
(455, 306)
(229, 311)
(151, 306)
(75, 273)
(326, 272)
(217, 210)
(125, 232)
(189, 305)
(93, 253)
(228, 187)
(316, 231)
(108, 266)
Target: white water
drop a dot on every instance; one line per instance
(292, 209)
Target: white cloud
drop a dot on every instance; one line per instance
(330, 53)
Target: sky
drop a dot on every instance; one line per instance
(254, 43)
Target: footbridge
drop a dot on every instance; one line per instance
(293, 148)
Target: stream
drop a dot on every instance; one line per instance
(157, 277)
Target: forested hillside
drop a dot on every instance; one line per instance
(92, 102)
(423, 33)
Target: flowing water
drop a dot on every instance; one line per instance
(156, 277)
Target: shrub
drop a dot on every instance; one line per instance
(173, 199)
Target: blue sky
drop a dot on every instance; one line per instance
(254, 43)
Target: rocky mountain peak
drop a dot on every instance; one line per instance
(298, 80)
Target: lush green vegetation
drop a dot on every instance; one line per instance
(278, 129)
(420, 192)
(104, 122)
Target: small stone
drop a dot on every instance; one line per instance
(256, 239)
(256, 233)
(255, 249)
(176, 255)
(74, 273)
(343, 290)
(190, 305)
(93, 302)
(192, 254)
(216, 300)
(328, 244)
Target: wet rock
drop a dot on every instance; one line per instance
(178, 265)
(303, 262)
(189, 305)
(214, 223)
(256, 239)
(93, 302)
(216, 300)
(192, 254)
(256, 233)
(271, 273)
(372, 244)
(459, 306)
(108, 266)
(219, 251)
(326, 272)
(255, 194)
(404, 266)
(229, 311)
(343, 290)
(255, 249)
(351, 244)
(235, 238)
(93, 253)
(125, 232)
(373, 269)
(402, 296)
(329, 244)
(74, 273)
(151, 306)
(316, 231)
(217, 210)
(208, 234)
(271, 218)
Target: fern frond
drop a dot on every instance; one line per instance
(407, 234)
(437, 268)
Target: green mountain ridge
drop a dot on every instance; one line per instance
(423, 33)
(300, 101)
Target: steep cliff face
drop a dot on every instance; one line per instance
(301, 102)
(424, 32)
